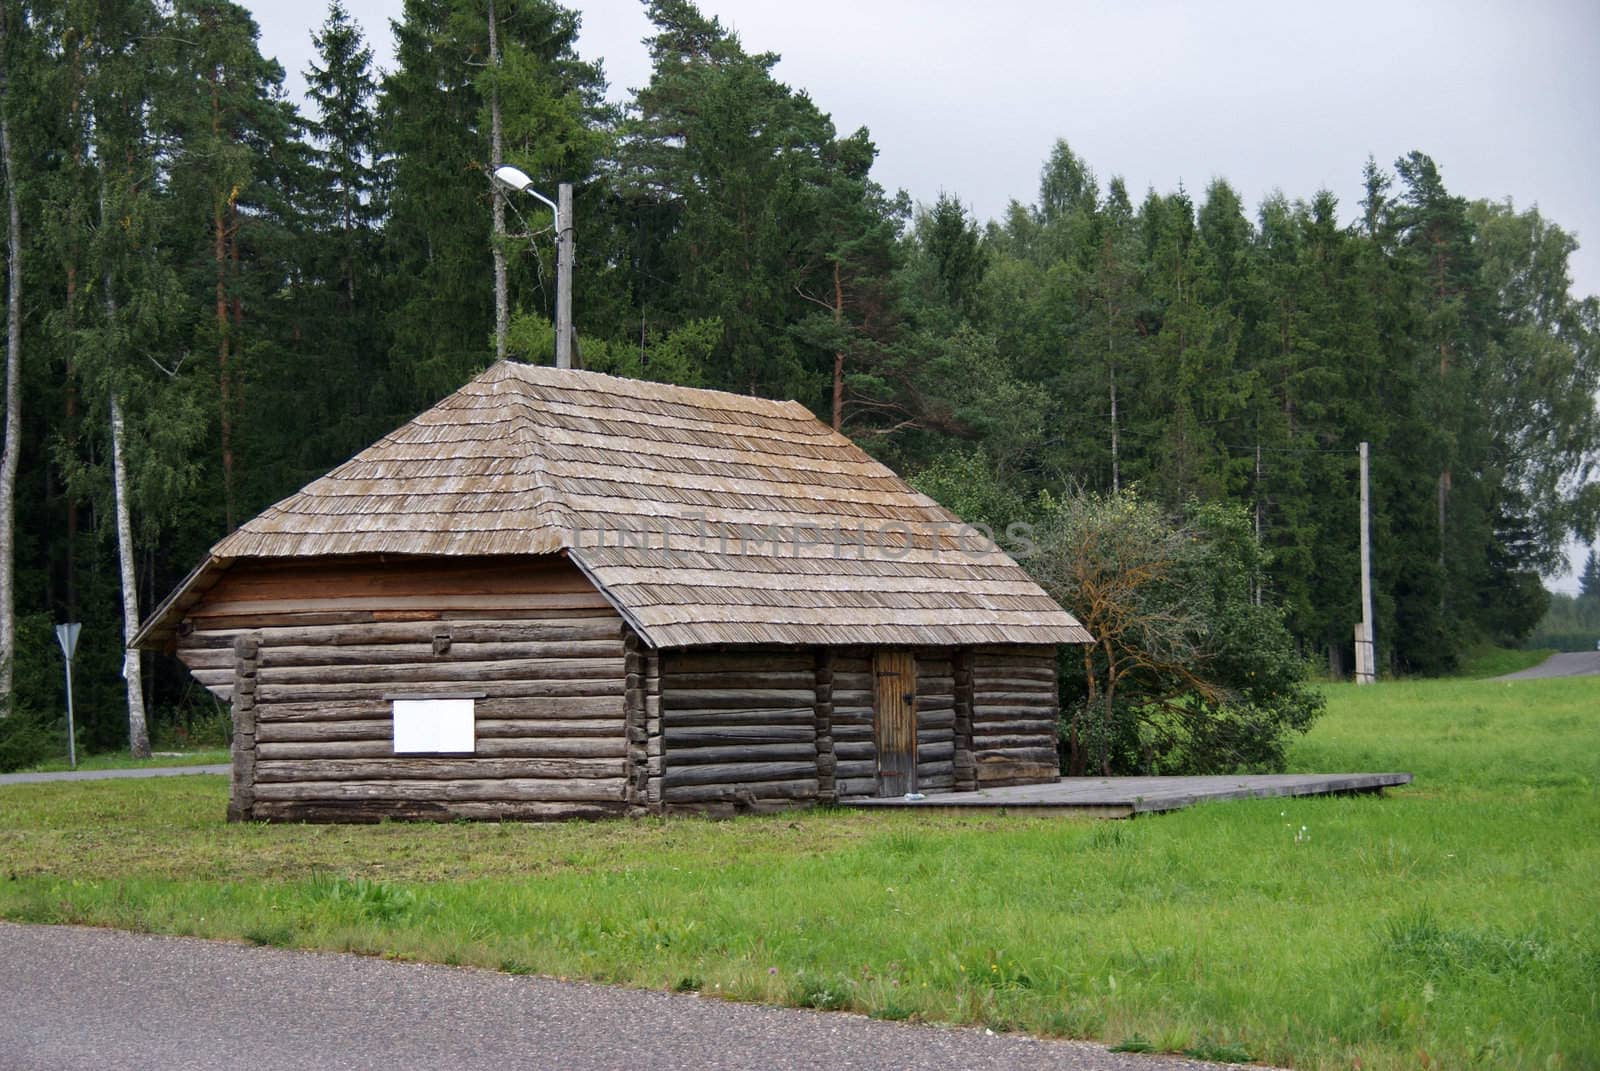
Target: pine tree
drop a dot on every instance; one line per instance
(954, 246)
(340, 337)
(1403, 388)
(1191, 352)
(344, 195)
(724, 164)
(1110, 347)
(1437, 243)
(234, 136)
(1589, 579)
(848, 271)
(437, 113)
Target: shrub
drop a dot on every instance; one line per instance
(1192, 669)
(27, 739)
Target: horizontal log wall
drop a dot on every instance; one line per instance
(382, 602)
(965, 766)
(827, 787)
(936, 720)
(738, 730)
(1015, 708)
(552, 725)
(855, 757)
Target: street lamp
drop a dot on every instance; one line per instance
(516, 180)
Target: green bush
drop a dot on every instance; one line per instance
(1581, 640)
(206, 724)
(27, 739)
(1193, 670)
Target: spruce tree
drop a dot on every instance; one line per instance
(340, 336)
(234, 144)
(436, 128)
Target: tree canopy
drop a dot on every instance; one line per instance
(258, 287)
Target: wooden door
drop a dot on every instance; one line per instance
(894, 721)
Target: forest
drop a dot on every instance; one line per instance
(215, 293)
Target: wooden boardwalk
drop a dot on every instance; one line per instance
(1124, 797)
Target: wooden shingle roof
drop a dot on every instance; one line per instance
(704, 517)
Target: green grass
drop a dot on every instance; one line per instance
(121, 760)
(1488, 661)
(1449, 924)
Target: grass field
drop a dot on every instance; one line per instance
(1490, 661)
(1449, 924)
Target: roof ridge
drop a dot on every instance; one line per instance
(544, 375)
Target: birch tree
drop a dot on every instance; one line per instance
(130, 353)
(13, 385)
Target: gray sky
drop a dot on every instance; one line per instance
(968, 98)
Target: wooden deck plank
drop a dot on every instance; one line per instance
(1120, 797)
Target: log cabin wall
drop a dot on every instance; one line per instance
(936, 720)
(827, 762)
(739, 729)
(655, 742)
(965, 766)
(850, 722)
(1015, 715)
(325, 642)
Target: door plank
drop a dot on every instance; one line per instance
(894, 724)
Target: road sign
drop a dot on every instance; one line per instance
(67, 636)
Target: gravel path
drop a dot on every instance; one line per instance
(1570, 664)
(108, 1000)
(102, 775)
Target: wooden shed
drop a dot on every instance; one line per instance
(558, 593)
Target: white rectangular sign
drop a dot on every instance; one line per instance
(434, 726)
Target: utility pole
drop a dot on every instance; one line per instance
(502, 302)
(515, 179)
(564, 242)
(1366, 650)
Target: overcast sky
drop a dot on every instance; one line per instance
(968, 97)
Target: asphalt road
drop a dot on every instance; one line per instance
(73, 997)
(1571, 664)
(106, 775)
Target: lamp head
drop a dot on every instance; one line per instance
(512, 178)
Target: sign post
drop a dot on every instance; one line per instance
(67, 636)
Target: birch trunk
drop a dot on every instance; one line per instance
(138, 731)
(502, 305)
(13, 430)
(132, 669)
(838, 357)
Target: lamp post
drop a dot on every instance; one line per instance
(517, 180)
